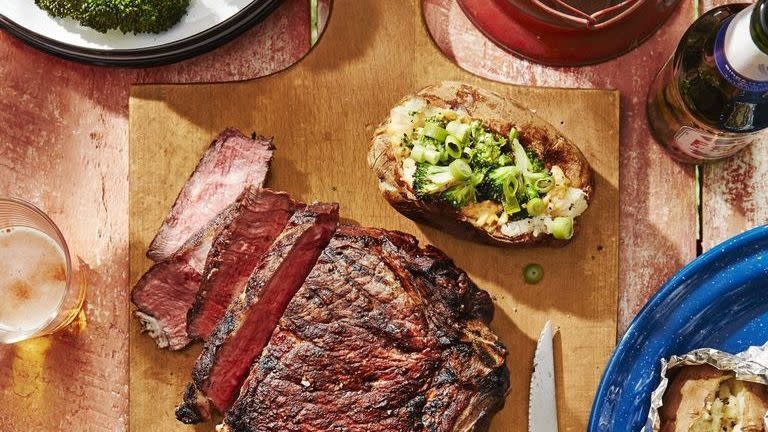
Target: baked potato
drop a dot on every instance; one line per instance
(705, 399)
(477, 164)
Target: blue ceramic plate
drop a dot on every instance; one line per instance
(720, 300)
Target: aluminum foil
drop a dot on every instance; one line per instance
(750, 365)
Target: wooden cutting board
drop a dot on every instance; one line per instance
(322, 113)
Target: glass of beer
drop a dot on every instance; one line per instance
(41, 288)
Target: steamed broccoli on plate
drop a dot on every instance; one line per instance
(128, 16)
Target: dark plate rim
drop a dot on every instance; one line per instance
(173, 52)
(715, 257)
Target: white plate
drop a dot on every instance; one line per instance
(204, 25)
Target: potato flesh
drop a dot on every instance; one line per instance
(724, 410)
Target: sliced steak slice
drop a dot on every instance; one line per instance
(257, 221)
(168, 289)
(248, 323)
(232, 160)
(165, 294)
(382, 336)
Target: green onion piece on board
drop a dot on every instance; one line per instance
(513, 134)
(460, 170)
(533, 273)
(536, 207)
(458, 129)
(562, 228)
(453, 147)
(434, 131)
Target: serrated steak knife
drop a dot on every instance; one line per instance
(542, 404)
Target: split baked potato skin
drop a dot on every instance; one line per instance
(499, 114)
(691, 390)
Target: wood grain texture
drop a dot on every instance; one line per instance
(64, 146)
(734, 191)
(322, 113)
(658, 208)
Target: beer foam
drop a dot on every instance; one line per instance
(33, 280)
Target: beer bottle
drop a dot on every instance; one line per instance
(711, 98)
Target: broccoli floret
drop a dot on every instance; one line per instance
(487, 152)
(460, 195)
(530, 192)
(59, 8)
(465, 192)
(485, 155)
(486, 148)
(429, 180)
(536, 164)
(427, 142)
(438, 182)
(128, 16)
(502, 185)
(527, 160)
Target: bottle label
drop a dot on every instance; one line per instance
(737, 57)
(706, 146)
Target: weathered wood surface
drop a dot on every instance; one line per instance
(64, 146)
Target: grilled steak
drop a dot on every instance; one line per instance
(382, 336)
(259, 218)
(168, 289)
(232, 161)
(248, 323)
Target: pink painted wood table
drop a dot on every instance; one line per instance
(63, 146)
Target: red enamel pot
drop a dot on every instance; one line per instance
(568, 32)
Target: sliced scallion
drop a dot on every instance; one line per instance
(533, 273)
(458, 129)
(536, 207)
(453, 147)
(544, 184)
(562, 228)
(434, 131)
(460, 170)
(417, 153)
(432, 156)
(513, 134)
(511, 183)
(511, 205)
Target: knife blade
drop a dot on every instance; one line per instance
(542, 402)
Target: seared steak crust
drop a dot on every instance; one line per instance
(382, 336)
(248, 323)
